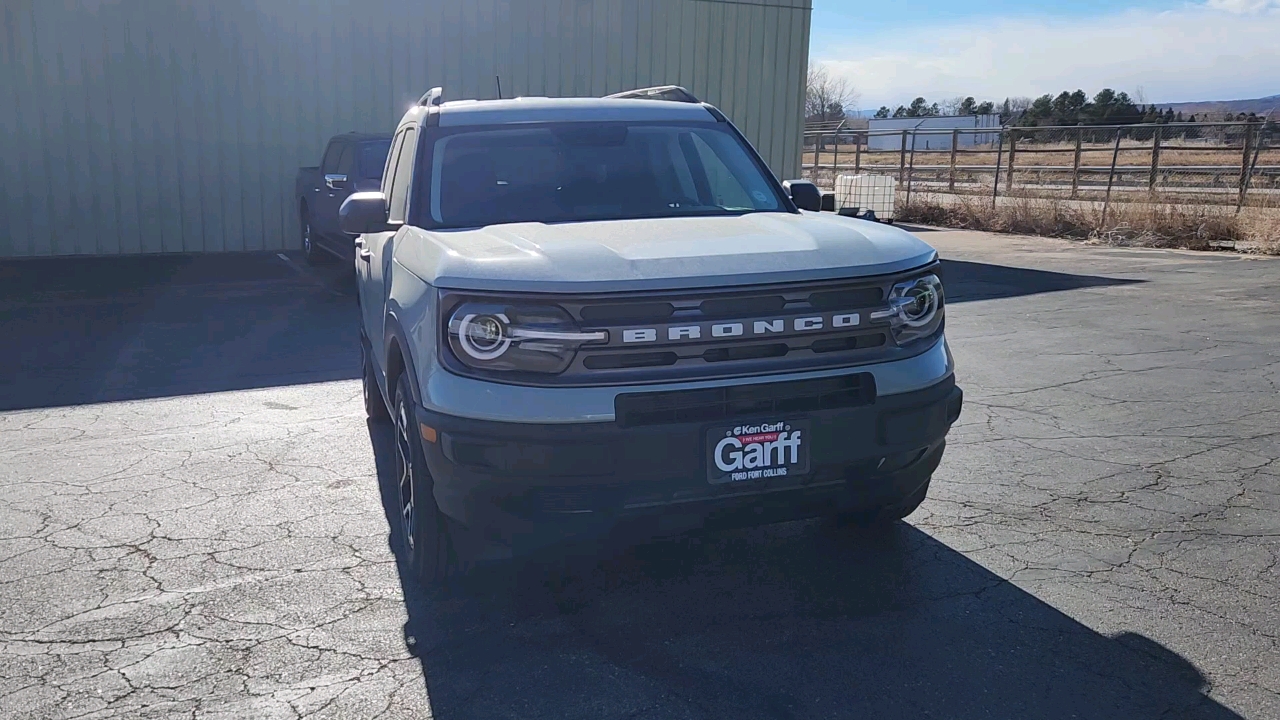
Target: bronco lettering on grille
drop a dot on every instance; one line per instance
(747, 330)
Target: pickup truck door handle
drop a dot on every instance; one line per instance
(365, 255)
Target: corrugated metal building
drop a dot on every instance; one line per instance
(146, 126)
(886, 133)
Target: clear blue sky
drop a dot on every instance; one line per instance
(1164, 50)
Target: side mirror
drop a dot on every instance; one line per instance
(363, 212)
(335, 181)
(804, 194)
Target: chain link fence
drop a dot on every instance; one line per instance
(1223, 164)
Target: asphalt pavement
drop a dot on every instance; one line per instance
(193, 520)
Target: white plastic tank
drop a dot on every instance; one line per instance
(860, 193)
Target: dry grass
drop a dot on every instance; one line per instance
(1193, 227)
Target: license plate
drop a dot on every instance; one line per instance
(757, 451)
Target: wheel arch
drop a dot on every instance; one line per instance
(400, 358)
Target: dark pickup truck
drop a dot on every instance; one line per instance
(352, 163)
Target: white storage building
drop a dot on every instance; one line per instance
(178, 126)
(932, 133)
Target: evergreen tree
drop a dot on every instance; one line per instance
(883, 112)
(921, 108)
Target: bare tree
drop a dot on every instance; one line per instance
(827, 96)
(1020, 104)
(952, 106)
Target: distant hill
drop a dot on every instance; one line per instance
(1261, 106)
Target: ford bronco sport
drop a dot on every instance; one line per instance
(585, 312)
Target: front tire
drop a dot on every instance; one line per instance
(375, 407)
(423, 533)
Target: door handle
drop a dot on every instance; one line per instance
(359, 242)
(365, 255)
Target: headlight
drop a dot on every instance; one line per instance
(515, 338)
(915, 309)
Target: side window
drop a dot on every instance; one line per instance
(398, 200)
(726, 191)
(346, 162)
(389, 172)
(330, 162)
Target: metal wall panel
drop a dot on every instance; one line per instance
(148, 126)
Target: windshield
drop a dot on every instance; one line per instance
(373, 156)
(590, 171)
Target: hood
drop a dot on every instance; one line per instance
(661, 253)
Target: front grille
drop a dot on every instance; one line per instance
(740, 348)
(709, 333)
(723, 403)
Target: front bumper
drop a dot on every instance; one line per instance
(522, 485)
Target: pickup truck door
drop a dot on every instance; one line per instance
(324, 222)
(373, 251)
(335, 187)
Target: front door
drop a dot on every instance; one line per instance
(373, 251)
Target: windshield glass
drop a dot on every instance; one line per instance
(373, 156)
(590, 171)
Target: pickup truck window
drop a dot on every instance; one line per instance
(373, 157)
(346, 164)
(330, 162)
(567, 172)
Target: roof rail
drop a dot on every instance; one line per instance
(432, 98)
(673, 93)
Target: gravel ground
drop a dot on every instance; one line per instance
(191, 521)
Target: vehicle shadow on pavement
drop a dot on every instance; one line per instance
(798, 620)
(966, 281)
(105, 329)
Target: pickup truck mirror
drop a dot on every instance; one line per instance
(363, 212)
(804, 194)
(335, 181)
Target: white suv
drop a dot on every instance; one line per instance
(586, 313)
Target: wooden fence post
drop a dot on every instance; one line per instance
(1115, 155)
(817, 148)
(911, 171)
(902, 156)
(1155, 161)
(1245, 170)
(1075, 168)
(995, 188)
(1013, 148)
(835, 160)
(955, 140)
(857, 154)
